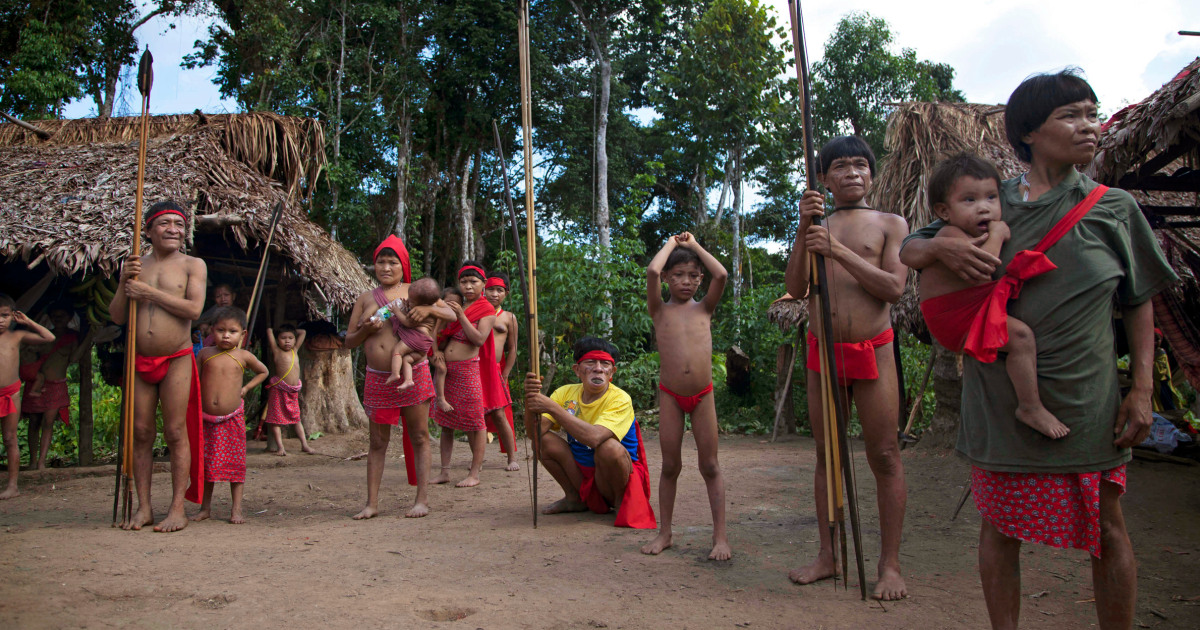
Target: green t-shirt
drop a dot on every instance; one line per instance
(1110, 258)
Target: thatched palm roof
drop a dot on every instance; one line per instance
(68, 200)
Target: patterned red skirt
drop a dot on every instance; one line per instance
(225, 447)
(54, 396)
(283, 402)
(1057, 509)
(383, 402)
(464, 393)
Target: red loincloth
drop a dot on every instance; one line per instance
(283, 402)
(225, 446)
(1057, 509)
(383, 404)
(855, 361)
(975, 320)
(7, 392)
(635, 510)
(687, 403)
(462, 390)
(54, 396)
(153, 370)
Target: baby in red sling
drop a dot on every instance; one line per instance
(964, 191)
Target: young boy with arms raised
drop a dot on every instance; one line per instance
(683, 330)
(964, 192)
(10, 389)
(222, 369)
(861, 248)
(504, 333)
(416, 335)
(283, 392)
(168, 288)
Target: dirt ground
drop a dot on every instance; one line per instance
(476, 562)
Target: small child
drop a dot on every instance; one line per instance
(416, 336)
(682, 328)
(438, 362)
(224, 410)
(283, 392)
(964, 191)
(10, 410)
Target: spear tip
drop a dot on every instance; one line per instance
(145, 73)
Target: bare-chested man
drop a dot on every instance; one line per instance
(865, 276)
(169, 288)
(10, 383)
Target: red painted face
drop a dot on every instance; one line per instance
(595, 375)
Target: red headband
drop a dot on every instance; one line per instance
(495, 282)
(598, 355)
(163, 211)
(394, 243)
(470, 268)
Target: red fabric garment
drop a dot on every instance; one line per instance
(383, 404)
(949, 316)
(494, 396)
(687, 403)
(462, 390)
(7, 392)
(1057, 509)
(54, 396)
(283, 402)
(394, 243)
(636, 511)
(153, 370)
(415, 339)
(855, 361)
(225, 446)
(29, 371)
(491, 426)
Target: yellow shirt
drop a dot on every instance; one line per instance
(613, 411)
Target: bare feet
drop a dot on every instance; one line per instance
(821, 569)
(236, 517)
(140, 519)
(10, 492)
(40, 466)
(202, 515)
(308, 449)
(405, 385)
(445, 406)
(418, 510)
(1041, 420)
(512, 466)
(366, 513)
(565, 505)
(470, 482)
(720, 550)
(175, 521)
(392, 378)
(661, 543)
(443, 477)
(890, 586)
(281, 453)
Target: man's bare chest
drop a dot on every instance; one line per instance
(861, 237)
(168, 278)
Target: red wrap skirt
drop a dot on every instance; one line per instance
(464, 392)
(225, 447)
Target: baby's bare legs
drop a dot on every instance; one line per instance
(704, 430)
(14, 454)
(670, 438)
(206, 504)
(406, 363)
(235, 510)
(398, 353)
(439, 387)
(1022, 371)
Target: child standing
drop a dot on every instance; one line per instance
(416, 335)
(964, 192)
(10, 410)
(283, 392)
(222, 368)
(682, 328)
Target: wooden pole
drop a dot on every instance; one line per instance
(530, 231)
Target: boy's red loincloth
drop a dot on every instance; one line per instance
(283, 402)
(7, 392)
(635, 510)
(225, 446)
(855, 361)
(1057, 509)
(687, 403)
(54, 396)
(463, 391)
(153, 370)
(975, 320)
(416, 340)
(383, 404)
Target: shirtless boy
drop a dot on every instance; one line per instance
(10, 392)
(504, 333)
(222, 369)
(283, 392)
(964, 192)
(416, 335)
(45, 403)
(682, 328)
(168, 286)
(861, 247)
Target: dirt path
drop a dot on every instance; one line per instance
(475, 562)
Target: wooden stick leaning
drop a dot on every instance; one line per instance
(260, 282)
(530, 232)
(122, 497)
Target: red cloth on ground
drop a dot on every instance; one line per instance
(7, 392)
(987, 329)
(54, 396)
(383, 403)
(462, 390)
(225, 446)
(283, 402)
(855, 361)
(635, 511)
(687, 403)
(153, 370)
(1057, 509)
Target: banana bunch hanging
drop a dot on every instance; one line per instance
(92, 297)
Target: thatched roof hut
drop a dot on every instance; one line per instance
(66, 199)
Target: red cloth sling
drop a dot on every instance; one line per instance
(988, 329)
(153, 370)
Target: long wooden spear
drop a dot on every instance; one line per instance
(124, 490)
(530, 233)
(835, 422)
(260, 282)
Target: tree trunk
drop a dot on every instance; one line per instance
(947, 390)
(602, 215)
(784, 356)
(402, 152)
(735, 274)
(724, 193)
(337, 121)
(329, 402)
(466, 211)
(86, 454)
(700, 183)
